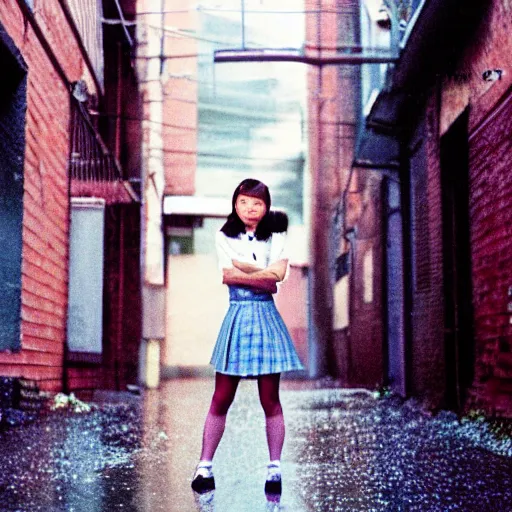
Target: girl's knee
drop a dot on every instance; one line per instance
(271, 407)
(224, 394)
(220, 404)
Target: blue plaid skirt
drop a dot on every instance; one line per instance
(253, 339)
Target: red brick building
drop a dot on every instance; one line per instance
(346, 243)
(54, 106)
(446, 114)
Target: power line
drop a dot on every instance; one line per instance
(229, 157)
(251, 11)
(190, 35)
(209, 127)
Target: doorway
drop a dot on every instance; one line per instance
(394, 343)
(457, 287)
(196, 298)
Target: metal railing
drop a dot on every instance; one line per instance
(90, 160)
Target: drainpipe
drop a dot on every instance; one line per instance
(152, 243)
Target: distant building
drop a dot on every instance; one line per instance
(207, 127)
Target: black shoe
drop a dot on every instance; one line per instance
(203, 480)
(273, 487)
(201, 485)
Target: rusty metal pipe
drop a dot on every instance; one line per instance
(243, 55)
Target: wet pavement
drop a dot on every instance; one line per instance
(346, 450)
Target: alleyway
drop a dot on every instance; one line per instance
(345, 451)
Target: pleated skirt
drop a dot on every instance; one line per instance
(253, 339)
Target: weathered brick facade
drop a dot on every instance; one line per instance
(180, 101)
(479, 84)
(491, 234)
(46, 204)
(482, 81)
(352, 353)
(46, 42)
(364, 353)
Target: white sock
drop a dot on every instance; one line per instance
(274, 470)
(204, 469)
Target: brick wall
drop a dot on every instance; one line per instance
(491, 235)
(330, 103)
(490, 159)
(46, 202)
(489, 49)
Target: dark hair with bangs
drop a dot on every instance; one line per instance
(272, 221)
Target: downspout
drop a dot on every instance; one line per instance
(119, 101)
(119, 363)
(405, 197)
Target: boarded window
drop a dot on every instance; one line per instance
(85, 310)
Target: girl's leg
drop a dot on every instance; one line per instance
(268, 387)
(225, 389)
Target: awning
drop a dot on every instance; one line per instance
(197, 206)
(378, 151)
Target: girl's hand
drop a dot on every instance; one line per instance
(248, 268)
(234, 276)
(230, 274)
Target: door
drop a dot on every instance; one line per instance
(394, 345)
(459, 343)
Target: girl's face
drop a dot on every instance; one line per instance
(250, 210)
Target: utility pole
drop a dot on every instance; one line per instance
(150, 51)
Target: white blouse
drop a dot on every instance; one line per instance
(247, 249)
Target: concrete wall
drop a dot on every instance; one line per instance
(196, 303)
(292, 303)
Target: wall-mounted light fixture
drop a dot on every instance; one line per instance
(383, 19)
(491, 75)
